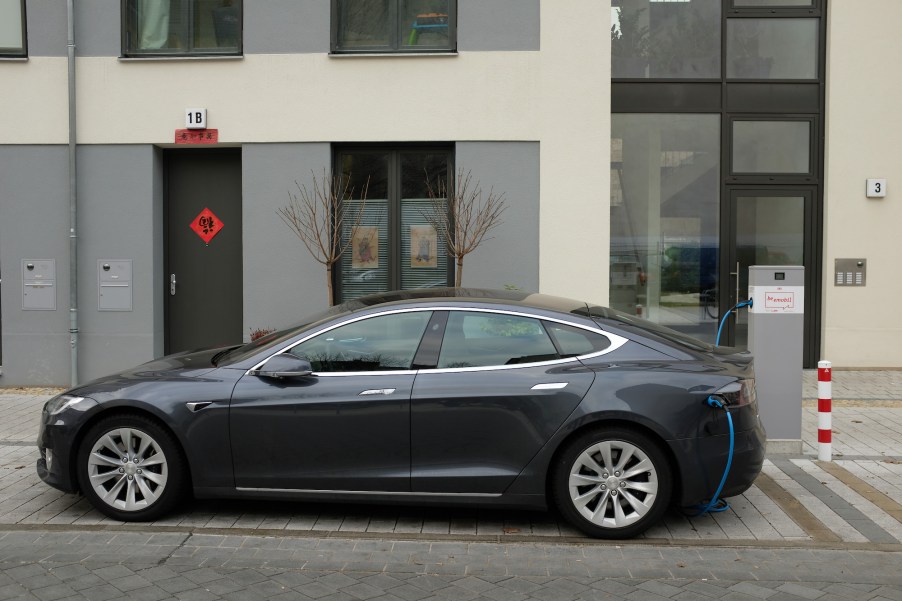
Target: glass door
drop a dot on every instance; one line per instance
(764, 226)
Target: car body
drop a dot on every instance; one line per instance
(434, 396)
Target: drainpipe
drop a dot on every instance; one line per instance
(73, 202)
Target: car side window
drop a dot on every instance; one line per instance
(575, 342)
(381, 343)
(475, 339)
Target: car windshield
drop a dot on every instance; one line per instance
(658, 330)
(240, 353)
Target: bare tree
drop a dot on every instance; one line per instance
(461, 216)
(318, 216)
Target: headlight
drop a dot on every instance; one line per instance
(59, 404)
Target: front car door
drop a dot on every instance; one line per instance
(344, 428)
(503, 384)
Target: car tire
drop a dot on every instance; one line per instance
(612, 483)
(131, 468)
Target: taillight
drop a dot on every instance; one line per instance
(738, 393)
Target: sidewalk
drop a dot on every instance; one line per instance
(851, 503)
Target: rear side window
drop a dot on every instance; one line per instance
(475, 339)
(574, 342)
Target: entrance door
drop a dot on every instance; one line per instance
(204, 283)
(766, 227)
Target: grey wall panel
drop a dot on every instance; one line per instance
(282, 282)
(286, 26)
(159, 273)
(498, 25)
(46, 28)
(512, 254)
(98, 28)
(118, 213)
(34, 224)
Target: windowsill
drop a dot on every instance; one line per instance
(450, 53)
(14, 59)
(181, 57)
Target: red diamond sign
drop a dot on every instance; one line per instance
(206, 225)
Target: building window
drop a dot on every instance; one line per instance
(665, 218)
(181, 27)
(12, 28)
(394, 26)
(771, 147)
(665, 40)
(772, 48)
(393, 247)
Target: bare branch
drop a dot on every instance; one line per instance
(461, 216)
(317, 216)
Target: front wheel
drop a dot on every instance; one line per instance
(130, 468)
(612, 483)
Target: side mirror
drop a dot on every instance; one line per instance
(285, 365)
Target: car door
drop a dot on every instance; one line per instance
(500, 389)
(346, 427)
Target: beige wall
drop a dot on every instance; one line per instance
(862, 327)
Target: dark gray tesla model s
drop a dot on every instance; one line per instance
(439, 396)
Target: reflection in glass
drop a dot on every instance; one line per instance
(665, 39)
(772, 48)
(771, 147)
(769, 231)
(363, 23)
(183, 26)
(665, 191)
(424, 256)
(739, 3)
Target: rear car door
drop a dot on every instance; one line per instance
(500, 389)
(344, 428)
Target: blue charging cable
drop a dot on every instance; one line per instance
(716, 504)
(747, 303)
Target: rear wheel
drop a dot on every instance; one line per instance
(131, 468)
(612, 483)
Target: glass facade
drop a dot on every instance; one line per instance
(772, 48)
(652, 39)
(665, 198)
(771, 147)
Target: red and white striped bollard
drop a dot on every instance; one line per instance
(824, 411)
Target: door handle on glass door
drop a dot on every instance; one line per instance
(172, 284)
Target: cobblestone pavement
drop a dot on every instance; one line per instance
(805, 530)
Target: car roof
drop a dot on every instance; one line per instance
(475, 295)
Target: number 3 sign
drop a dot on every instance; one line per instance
(876, 188)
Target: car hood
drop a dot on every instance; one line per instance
(190, 364)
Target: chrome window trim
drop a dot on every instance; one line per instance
(616, 343)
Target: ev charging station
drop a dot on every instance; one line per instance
(776, 334)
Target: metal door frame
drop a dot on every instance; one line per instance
(813, 260)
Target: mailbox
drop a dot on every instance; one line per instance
(114, 285)
(39, 284)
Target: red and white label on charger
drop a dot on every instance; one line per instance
(777, 299)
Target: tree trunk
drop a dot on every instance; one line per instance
(329, 284)
(460, 271)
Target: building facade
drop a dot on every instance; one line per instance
(736, 131)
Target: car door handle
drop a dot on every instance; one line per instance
(382, 391)
(550, 386)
